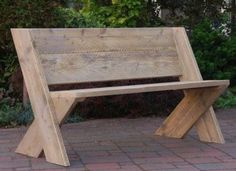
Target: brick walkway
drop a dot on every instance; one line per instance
(127, 145)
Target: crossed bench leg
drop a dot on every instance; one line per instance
(31, 144)
(195, 103)
(192, 107)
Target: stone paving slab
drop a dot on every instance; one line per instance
(128, 145)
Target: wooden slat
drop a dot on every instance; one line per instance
(208, 128)
(106, 91)
(43, 33)
(106, 66)
(57, 41)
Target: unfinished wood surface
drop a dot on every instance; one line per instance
(106, 91)
(60, 41)
(87, 55)
(106, 66)
(31, 144)
(195, 104)
(208, 128)
(41, 102)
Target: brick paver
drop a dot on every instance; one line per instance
(128, 145)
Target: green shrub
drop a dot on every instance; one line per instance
(13, 114)
(74, 117)
(120, 13)
(67, 18)
(8, 64)
(215, 52)
(226, 101)
(23, 13)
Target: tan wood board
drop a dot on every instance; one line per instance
(208, 128)
(41, 101)
(106, 91)
(107, 66)
(48, 41)
(188, 111)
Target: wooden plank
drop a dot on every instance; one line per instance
(107, 66)
(207, 126)
(107, 91)
(41, 101)
(43, 33)
(189, 110)
(59, 41)
(187, 60)
(31, 144)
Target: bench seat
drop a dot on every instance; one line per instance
(130, 89)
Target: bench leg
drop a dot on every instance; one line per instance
(31, 144)
(195, 103)
(208, 128)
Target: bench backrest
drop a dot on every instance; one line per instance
(102, 54)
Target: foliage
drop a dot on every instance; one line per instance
(215, 52)
(68, 18)
(226, 101)
(75, 117)
(12, 113)
(24, 13)
(118, 13)
(8, 65)
(189, 13)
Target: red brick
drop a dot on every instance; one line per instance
(114, 145)
(102, 166)
(157, 166)
(143, 155)
(13, 164)
(157, 160)
(215, 166)
(5, 158)
(203, 160)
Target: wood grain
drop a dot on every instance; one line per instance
(60, 41)
(107, 91)
(31, 144)
(41, 101)
(208, 128)
(189, 110)
(107, 66)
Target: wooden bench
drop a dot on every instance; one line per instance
(67, 56)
